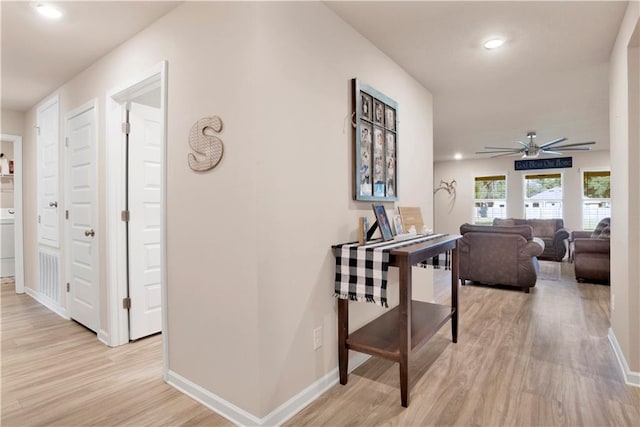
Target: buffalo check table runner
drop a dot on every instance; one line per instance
(361, 271)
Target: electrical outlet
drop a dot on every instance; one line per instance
(317, 338)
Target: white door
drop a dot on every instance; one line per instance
(83, 302)
(145, 174)
(48, 146)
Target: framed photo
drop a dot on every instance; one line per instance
(366, 106)
(378, 112)
(389, 118)
(383, 222)
(375, 148)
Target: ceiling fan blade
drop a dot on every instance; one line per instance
(550, 152)
(573, 149)
(577, 144)
(555, 141)
(524, 144)
(505, 154)
(503, 148)
(500, 151)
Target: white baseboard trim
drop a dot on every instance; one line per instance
(103, 337)
(217, 404)
(48, 302)
(288, 409)
(279, 415)
(630, 377)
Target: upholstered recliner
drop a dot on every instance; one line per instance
(592, 253)
(551, 231)
(499, 255)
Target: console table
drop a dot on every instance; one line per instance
(394, 334)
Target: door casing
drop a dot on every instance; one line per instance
(17, 204)
(116, 105)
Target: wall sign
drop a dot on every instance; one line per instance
(555, 163)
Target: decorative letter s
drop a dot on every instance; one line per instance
(208, 147)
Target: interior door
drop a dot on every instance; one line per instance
(83, 303)
(145, 174)
(48, 145)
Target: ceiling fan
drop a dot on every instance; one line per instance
(532, 150)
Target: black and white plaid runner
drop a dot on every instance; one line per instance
(361, 271)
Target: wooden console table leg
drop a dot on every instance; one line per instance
(454, 294)
(405, 330)
(343, 333)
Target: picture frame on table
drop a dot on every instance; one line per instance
(383, 222)
(375, 146)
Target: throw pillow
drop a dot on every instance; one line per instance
(601, 226)
(605, 233)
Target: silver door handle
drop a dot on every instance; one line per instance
(89, 232)
(53, 204)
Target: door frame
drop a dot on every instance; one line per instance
(92, 104)
(17, 205)
(116, 105)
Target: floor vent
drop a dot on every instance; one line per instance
(49, 275)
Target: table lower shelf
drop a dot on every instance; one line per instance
(381, 337)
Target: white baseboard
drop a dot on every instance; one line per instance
(279, 415)
(103, 337)
(630, 377)
(48, 302)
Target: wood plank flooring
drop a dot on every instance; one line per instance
(539, 359)
(55, 372)
(521, 360)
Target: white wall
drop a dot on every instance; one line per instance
(250, 271)
(465, 171)
(625, 157)
(12, 122)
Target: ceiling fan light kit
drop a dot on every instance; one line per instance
(533, 150)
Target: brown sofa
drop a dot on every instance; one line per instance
(551, 231)
(499, 255)
(592, 253)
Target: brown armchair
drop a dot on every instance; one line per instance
(592, 253)
(504, 255)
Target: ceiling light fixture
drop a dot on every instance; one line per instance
(493, 43)
(48, 11)
(457, 156)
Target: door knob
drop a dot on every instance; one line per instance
(53, 204)
(89, 232)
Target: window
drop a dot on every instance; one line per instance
(596, 197)
(490, 196)
(543, 196)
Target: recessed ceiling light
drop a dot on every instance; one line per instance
(457, 156)
(48, 11)
(493, 43)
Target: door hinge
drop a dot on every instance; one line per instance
(38, 129)
(66, 214)
(126, 303)
(39, 218)
(125, 216)
(126, 128)
(68, 287)
(66, 141)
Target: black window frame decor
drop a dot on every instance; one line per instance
(375, 147)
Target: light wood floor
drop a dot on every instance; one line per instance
(55, 372)
(539, 359)
(536, 359)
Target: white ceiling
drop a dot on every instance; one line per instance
(39, 55)
(551, 76)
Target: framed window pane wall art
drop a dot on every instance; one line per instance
(375, 145)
